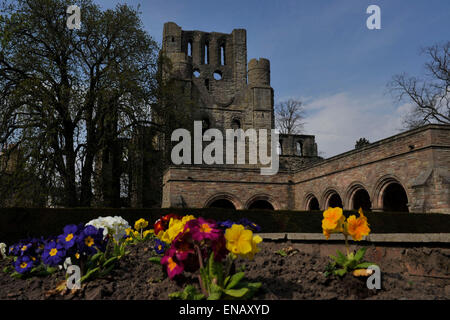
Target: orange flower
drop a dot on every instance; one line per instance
(358, 227)
(333, 218)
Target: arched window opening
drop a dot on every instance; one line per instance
(261, 205)
(361, 199)
(313, 204)
(222, 203)
(217, 75)
(207, 84)
(124, 185)
(395, 198)
(279, 148)
(235, 124)
(189, 48)
(205, 124)
(222, 55)
(335, 201)
(299, 148)
(206, 53)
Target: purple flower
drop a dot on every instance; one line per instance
(160, 246)
(90, 240)
(54, 253)
(23, 264)
(249, 225)
(69, 237)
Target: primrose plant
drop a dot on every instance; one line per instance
(334, 221)
(95, 249)
(207, 249)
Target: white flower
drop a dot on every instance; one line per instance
(3, 250)
(114, 226)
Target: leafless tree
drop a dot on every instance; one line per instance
(430, 94)
(289, 116)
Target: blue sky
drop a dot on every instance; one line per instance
(323, 53)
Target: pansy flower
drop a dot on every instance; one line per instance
(91, 239)
(203, 229)
(173, 266)
(54, 253)
(23, 264)
(249, 225)
(160, 246)
(69, 237)
(225, 224)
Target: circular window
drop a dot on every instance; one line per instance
(196, 73)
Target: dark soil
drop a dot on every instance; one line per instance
(298, 275)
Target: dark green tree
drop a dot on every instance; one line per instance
(66, 95)
(361, 142)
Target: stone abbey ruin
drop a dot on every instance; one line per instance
(406, 172)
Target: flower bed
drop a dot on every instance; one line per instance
(194, 258)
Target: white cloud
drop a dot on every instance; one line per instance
(339, 120)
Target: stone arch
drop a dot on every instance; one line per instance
(223, 196)
(357, 196)
(331, 197)
(260, 198)
(311, 202)
(390, 189)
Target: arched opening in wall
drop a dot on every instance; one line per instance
(313, 204)
(361, 199)
(217, 75)
(279, 148)
(206, 124)
(206, 53)
(222, 203)
(207, 84)
(395, 198)
(189, 48)
(196, 73)
(299, 148)
(261, 205)
(335, 201)
(222, 54)
(235, 124)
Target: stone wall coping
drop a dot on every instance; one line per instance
(375, 237)
(378, 143)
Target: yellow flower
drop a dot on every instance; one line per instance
(357, 227)
(333, 219)
(175, 227)
(140, 224)
(255, 249)
(128, 231)
(147, 232)
(239, 239)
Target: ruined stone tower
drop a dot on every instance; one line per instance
(213, 67)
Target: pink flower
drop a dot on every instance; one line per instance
(173, 266)
(202, 229)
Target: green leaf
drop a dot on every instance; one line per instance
(215, 292)
(236, 293)
(155, 260)
(235, 280)
(89, 274)
(95, 257)
(360, 254)
(364, 265)
(175, 295)
(16, 275)
(340, 272)
(109, 261)
(281, 253)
